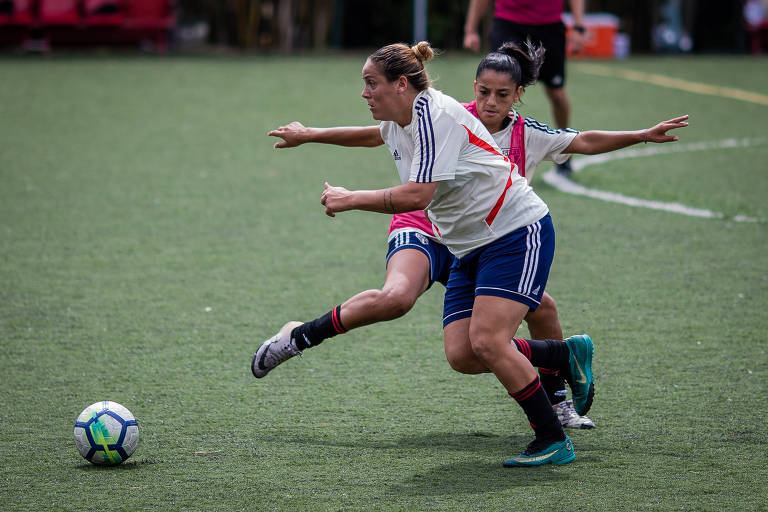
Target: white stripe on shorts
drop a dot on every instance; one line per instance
(531, 264)
(455, 313)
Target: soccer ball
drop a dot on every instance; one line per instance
(106, 433)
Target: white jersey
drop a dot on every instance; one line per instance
(541, 143)
(480, 196)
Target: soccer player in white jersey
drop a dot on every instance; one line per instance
(491, 221)
(415, 259)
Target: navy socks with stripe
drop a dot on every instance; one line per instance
(544, 353)
(533, 399)
(310, 334)
(551, 357)
(554, 384)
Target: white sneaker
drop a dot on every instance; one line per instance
(275, 350)
(569, 417)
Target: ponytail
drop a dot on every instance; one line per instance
(522, 65)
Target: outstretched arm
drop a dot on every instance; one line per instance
(595, 141)
(408, 197)
(295, 134)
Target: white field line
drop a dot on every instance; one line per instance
(578, 164)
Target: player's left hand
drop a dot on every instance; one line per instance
(333, 198)
(659, 132)
(576, 42)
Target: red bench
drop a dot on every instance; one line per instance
(16, 12)
(86, 21)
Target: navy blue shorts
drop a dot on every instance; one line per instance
(515, 266)
(440, 258)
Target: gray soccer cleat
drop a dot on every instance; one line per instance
(569, 418)
(275, 350)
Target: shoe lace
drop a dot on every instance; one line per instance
(567, 411)
(279, 352)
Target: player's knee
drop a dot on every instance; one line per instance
(484, 344)
(464, 362)
(547, 308)
(395, 303)
(557, 93)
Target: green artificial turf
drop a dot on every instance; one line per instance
(151, 238)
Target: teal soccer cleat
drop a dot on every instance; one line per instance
(581, 379)
(541, 452)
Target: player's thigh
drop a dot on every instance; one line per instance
(493, 324)
(408, 274)
(495, 320)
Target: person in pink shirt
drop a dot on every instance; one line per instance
(540, 21)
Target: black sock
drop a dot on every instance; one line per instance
(542, 418)
(554, 385)
(544, 353)
(310, 334)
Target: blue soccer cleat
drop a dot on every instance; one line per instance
(581, 380)
(543, 451)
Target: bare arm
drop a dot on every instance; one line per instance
(595, 141)
(475, 12)
(295, 134)
(401, 198)
(577, 38)
(577, 11)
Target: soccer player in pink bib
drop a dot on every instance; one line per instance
(416, 259)
(540, 21)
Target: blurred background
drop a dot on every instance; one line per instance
(615, 28)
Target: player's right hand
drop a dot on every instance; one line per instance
(290, 133)
(658, 133)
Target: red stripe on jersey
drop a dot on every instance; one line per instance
(477, 141)
(495, 211)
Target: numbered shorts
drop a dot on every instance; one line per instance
(440, 258)
(515, 267)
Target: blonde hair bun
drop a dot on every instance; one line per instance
(423, 51)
